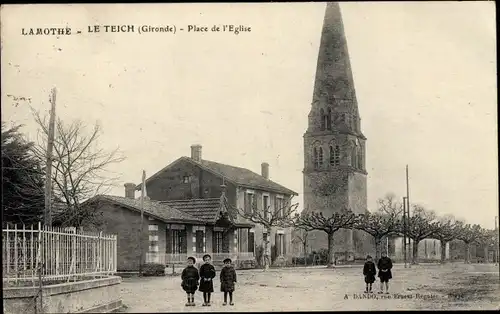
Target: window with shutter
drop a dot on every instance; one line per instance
(251, 242)
(199, 241)
(225, 242)
(175, 242)
(168, 241)
(183, 241)
(265, 206)
(284, 244)
(276, 243)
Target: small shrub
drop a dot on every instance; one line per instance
(303, 261)
(153, 269)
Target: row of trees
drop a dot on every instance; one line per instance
(80, 170)
(386, 221)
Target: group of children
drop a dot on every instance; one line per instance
(384, 266)
(202, 280)
(193, 280)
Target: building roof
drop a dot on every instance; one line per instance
(208, 210)
(204, 209)
(236, 175)
(152, 208)
(196, 211)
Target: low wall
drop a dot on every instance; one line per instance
(93, 296)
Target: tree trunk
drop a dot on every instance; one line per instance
(443, 251)
(305, 251)
(415, 252)
(467, 253)
(486, 261)
(331, 251)
(267, 250)
(378, 247)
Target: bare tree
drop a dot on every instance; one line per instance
(301, 236)
(486, 239)
(279, 216)
(468, 234)
(421, 225)
(80, 169)
(310, 221)
(390, 207)
(446, 232)
(384, 222)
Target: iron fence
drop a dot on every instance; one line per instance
(55, 254)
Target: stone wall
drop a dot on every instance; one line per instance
(91, 296)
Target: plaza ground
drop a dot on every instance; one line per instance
(426, 286)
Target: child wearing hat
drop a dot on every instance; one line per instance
(207, 273)
(369, 272)
(190, 277)
(227, 280)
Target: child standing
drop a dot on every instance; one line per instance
(369, 272)
(384, 272)
(227, 280)
(207, 273)
(190, 277)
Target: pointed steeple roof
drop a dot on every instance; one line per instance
(334, 83)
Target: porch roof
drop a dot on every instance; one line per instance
(203, 209)
(154, 209)
(207, 210)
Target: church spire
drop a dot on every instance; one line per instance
(334, 85)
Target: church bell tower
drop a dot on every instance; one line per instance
(334, 146)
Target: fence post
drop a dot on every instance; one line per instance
(16, 254)
(24, 250)
(32, 257)
(7, 249)
(58, 242)
(40, 268)
(99, 253)
(72, 268)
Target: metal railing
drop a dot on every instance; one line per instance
(167, 258)
(54, 254)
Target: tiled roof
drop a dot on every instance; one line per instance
(244, 177)
(237, 175)
(206, 210)
(203, 209)
(153, 208)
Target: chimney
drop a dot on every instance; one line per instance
(223, 187)
(196, 152)
(130, 190)
(265, 170)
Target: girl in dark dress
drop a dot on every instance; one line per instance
(384, 272)
(207, 273)
(369, 272)
(190, 277)
(227, 280)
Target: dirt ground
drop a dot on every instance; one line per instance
(426, 287)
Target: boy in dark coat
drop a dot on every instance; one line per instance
(190, 277)
(384, 272)
(369, 272)
(227, 280)
(207, 273)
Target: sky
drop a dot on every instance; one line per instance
(424, 73)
